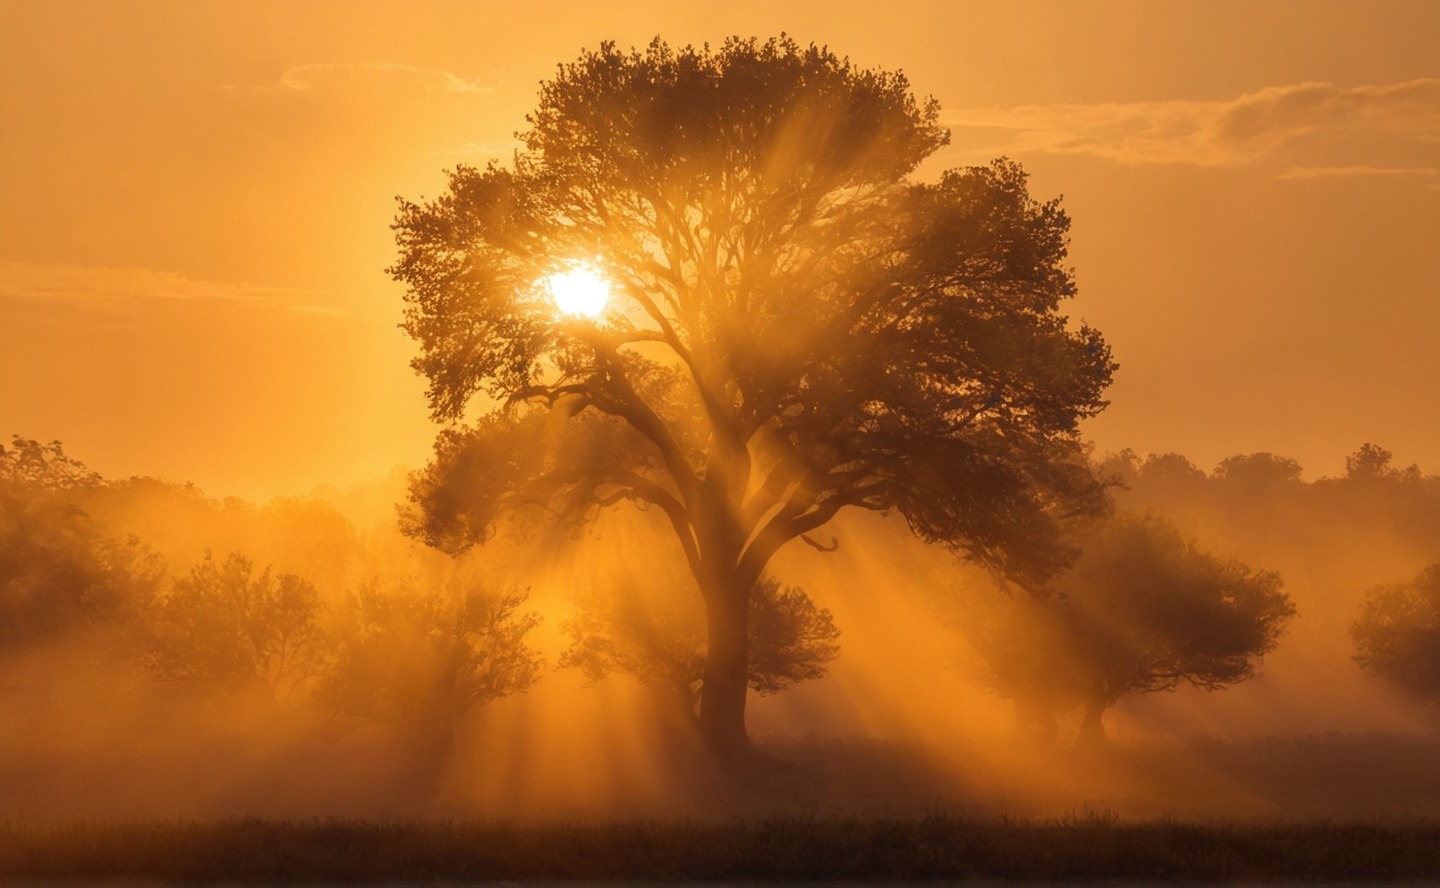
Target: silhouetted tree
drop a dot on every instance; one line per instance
(418, 661)
(59, 572)
(1141, 611)
(223, 627)
(1150, 611)
(796, 327)
(29, 465)
(1372, 462)
(1258, 470)
(1170, 469)
(660, 639)
(1397, 635)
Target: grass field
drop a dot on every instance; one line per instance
(929, 847)
(1311, 809)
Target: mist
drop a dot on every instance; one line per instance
(905, 715)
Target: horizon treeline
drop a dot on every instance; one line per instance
(145, 613)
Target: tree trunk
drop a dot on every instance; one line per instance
(727, 670)
(1092, 727)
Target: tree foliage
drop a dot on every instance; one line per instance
(1371, 462)
(225, 627)
(797, 327)
(1258, 470)
(792, 639)
(29, 465)
(59, 571)
(1143, 610)
(1397, 635)
(659, 638)
(420, 660)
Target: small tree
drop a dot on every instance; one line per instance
(418, 661)
(1371, 462)
(1172, 469)
(224, 627)
(795, 326)
(1151, 611)
(1397, 635)
(59, 572)
(1143, 610)
(1258, 471)
(660, 639)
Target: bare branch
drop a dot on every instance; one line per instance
(820, 547)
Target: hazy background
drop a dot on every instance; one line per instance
(903, 723)
(196, 200)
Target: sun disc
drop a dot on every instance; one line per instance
(579, 291)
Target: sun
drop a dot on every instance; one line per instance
(580, 291)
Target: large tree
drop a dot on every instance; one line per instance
(796, 325)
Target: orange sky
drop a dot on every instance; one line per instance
(195, 200)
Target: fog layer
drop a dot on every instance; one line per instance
(455, 699)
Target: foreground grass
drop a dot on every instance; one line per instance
(935, 846)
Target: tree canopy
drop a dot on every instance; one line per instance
(796, 325)
(28, 464)
(418, 660)
(59, 569)
(1397, 634)
(225, 626)
(1371, 462)
(1142, 610)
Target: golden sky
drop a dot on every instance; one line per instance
(195, 201)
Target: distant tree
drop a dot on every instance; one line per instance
(223, 627)
(660, 639)
(1372, 462)
(29, 465)
(1170, 468)
(1143, 610)
(795, 327)
(59, 572)
(417, 661)
(1125, 469)
(1258, 470)
(1397, 635)
(1120, 469)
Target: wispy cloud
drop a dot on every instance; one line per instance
(1281, 114)
(1300, 126)
(115, 287)
(320, 77)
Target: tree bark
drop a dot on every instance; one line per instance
(727, 658)
(1092, 727)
